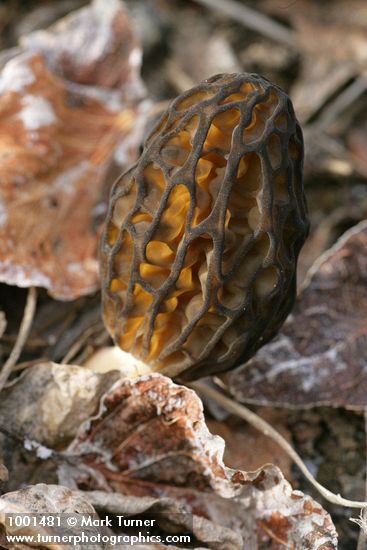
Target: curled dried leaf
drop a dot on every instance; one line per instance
(150, 440)
(67, 126)
(203, 233)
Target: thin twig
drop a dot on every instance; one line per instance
(78, 344)
(362, 539)
(11, 434)
(346, 98)
(253, 20)
(24, 329)
(30, 363)
(261, 425)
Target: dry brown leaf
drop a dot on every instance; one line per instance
(150, 439)
(43, 499)
(61, 146)
(319, 358)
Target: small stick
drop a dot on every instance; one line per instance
(11, 434)
(30, 363)
(78, 345)
(253, 20)
(23, 333)
(362, 539)
(346, 98)
(265, 428)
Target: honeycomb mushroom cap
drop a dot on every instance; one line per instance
(200, 248)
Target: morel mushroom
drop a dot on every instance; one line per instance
(201, 242)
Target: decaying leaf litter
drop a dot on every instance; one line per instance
(335, 170)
